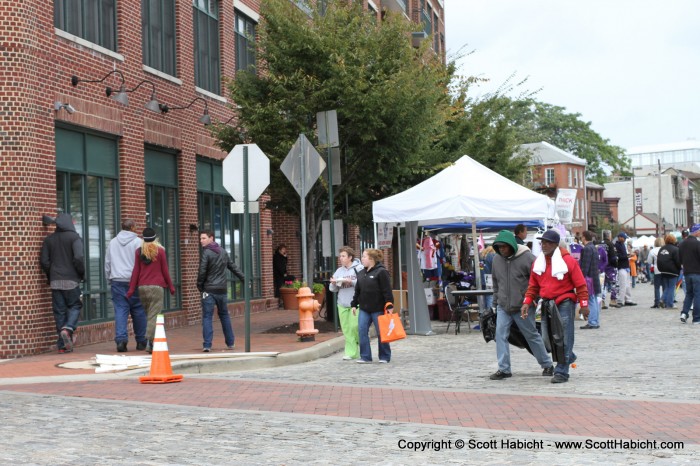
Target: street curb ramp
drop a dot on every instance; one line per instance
(213, 366)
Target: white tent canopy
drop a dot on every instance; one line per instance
(464, 191)
(468, 191)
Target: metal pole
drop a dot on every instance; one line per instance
(304, 265)
(246, 249)
(634, 205)
(332, 220)
(660, 223)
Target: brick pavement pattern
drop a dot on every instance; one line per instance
(652, 420)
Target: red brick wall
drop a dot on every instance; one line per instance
(41, 64)
(38, 67)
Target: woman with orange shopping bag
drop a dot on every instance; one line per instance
(372, 293)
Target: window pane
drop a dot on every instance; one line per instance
(169, 37)
(107, 32)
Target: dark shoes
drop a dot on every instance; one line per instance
(589, 326)
(655, 306)
(141, 345)
(121, 347)
(500, 375)
(559, 378)
(149, 347)
(67, 337)
(548, 371)
(630, 303)
(206, 350)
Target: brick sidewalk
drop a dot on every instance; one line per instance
(558, 415)
(184, 340)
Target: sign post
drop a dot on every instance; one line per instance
(327, 123)
(243, 187)
(302, 167)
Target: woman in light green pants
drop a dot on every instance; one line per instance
(343, 283)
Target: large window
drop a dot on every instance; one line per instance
(158, 32)
(92, 20)
(206, 45)
(549, 176)
(162, 213)
(245, 43)
(87, 188)
(214, 205)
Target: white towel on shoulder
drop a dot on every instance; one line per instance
(559, 268)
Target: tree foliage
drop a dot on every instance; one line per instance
(391, 99)
(537, 121)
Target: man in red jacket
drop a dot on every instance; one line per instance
(557, 278)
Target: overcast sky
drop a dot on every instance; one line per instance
(630, 67)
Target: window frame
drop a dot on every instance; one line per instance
(245, 36)
(78, 16)
(207, 61)
(166, 61)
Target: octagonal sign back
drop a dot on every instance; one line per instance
(258, 172)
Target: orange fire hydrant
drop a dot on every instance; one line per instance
(307, 306)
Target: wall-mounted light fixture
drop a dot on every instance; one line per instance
(194, 228)
(48, 220)
(120, 95)
(270, 232)
(58, 105)
(153, 104)
(205, 119)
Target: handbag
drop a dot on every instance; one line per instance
(390, 327)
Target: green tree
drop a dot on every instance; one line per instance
(392, 102)
(537, 121)
(483, 130)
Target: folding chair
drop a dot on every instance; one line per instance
(457, 309)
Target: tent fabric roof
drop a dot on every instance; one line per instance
(464, 191)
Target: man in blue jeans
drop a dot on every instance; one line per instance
(213, 284)
(63, 262)
(510, 274)
(690, 260)
(119, 263)
(557, 278)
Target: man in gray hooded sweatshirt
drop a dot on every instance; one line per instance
(511, 273)
(119, 263)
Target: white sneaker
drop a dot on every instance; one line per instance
(362, 361)
(347, 358)
(684, 317)
(387, 362)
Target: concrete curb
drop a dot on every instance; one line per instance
(213, 366)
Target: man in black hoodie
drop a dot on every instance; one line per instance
(63, 262)
(213, 284)
(690, 260)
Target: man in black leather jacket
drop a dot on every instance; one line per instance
(213, 284)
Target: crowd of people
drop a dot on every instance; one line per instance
(588, 271)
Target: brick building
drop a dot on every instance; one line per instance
(551, 169)
(71, 145)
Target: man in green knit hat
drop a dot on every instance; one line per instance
(511, 273)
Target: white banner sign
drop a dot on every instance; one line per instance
(385, 234)
(566, 198)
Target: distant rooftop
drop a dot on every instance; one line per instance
(684, 145)
(544, 153)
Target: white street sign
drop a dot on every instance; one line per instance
(258, 172)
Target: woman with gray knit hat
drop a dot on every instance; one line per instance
(150, 275)
(511, 273)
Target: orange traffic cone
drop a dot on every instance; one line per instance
(161, 371)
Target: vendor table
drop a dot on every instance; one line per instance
(466, 294)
